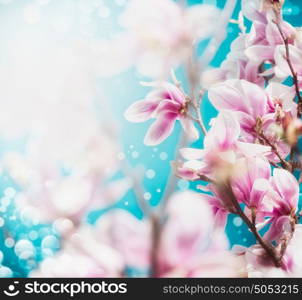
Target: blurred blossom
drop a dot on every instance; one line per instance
(163, 33)
(82, 256)
(69, 195)
(130, 236)
(190, 248)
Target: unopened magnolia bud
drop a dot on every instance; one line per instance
(298, 37)
(294, 130)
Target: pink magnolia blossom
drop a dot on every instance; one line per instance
(256, 109)
(220, 207)
(257, 10)
(166, 104)
(274, 196)
(250, 181)
(259, 265)
(250, 50)
(248, 100)
(264, 39)
(282, 68)
(237, 65)
(221, 149)
(213, 264)
(283, 198)
(190, 248)
(287, 192)
(183, 239)
(128, 235)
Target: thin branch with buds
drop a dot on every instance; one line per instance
(227, 191)
(288, 60)
(285, 164)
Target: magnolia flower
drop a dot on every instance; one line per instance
(166, 104)
(252, 9)
(250, 181)
(282, 68)
(236, 66)
(163, 33)
(128, 235)
(250, 50)
(184, 238)
(248, 100)
(264, 41)
(284, 197)
(256, 10)
(287, 192)
(190, 248)
(258, 111)
(221, 206)
(221, 149)
(259, 265)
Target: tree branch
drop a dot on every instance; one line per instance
(227, 190)
(290, 65)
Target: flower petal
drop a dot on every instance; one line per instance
(224, 132)
(255, 98)
(259, 189)
(189, 128)
(282, 69)
(160, 129)
(250, 149)
(226, 96)
(191, 153)
(260, 53)
(246, 172)
(287, 186)
(277, 228)
(141, 111)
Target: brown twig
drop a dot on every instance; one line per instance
(156, 236)
(290, 65)
(285, 164)
(227, 191)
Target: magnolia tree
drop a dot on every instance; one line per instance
(249, 164)
(250, 158)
